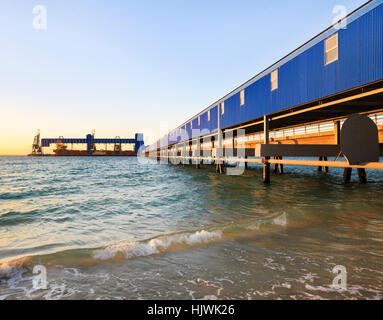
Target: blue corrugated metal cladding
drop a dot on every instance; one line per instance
(306, 77)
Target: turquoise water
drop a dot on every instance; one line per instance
(112, 228)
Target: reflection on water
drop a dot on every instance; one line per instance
(112, 228)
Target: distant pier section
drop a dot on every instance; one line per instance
(91, 146)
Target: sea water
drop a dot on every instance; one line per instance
(115, 228)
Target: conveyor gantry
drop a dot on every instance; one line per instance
(90, 140)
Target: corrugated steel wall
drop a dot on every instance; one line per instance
(306, 77)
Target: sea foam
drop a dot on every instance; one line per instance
(157, 245)
(12, 267)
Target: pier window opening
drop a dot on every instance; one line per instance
(199, 121)
(208, 116)
(242, 97)
(191, 124)
(274, 80)
(332, 52)
(223, 108)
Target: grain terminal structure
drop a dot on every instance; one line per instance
(297, 107)
(90, 141)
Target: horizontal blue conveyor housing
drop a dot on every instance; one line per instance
(48, 142)
(138, 141)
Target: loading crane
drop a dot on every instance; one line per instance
(36, 146)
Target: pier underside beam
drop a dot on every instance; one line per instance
(285, 150)
(280, 162)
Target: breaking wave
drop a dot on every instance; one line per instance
(10, 268)
(157, 245)
(135, 249)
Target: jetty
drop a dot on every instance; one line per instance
(323, 100)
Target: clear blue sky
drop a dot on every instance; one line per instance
(122, 66)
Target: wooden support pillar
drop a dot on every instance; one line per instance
(276, 166)
(280, 166)
(347, 175)
(362, 175)
(266, 128)
(266, 165)
(320, 167)
(266, 171)
(197, 161)
(326, 169)
(246, 164)
(219, 168)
